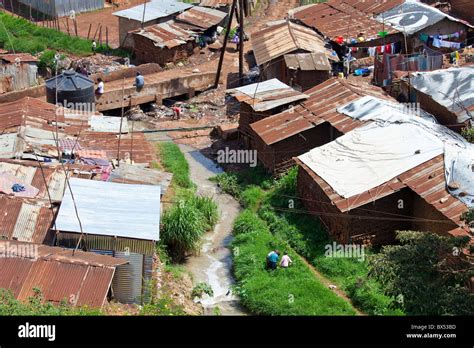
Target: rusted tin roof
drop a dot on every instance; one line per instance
(215, 3)
(25, 221)
(307, 61)
(266, 95)
(18, 57)
(132, 146)
(427, 180)
(320, 107)
(346, 18)
(202, 17)
(168, 34)
(81, 278)
(30, 173)
(287, 37)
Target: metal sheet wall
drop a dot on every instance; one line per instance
(64, 7)
(127, 281)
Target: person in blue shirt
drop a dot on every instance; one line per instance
(272, 259)
(139, 81)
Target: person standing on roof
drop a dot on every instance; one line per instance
(139, 81)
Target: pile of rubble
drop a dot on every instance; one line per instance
(101, 63)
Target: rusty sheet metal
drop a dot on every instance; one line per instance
(26, 221)
(307, 61)
(266, 95)
(202, 17)
(345, 17)
(82, 279)
(30, 173)
(168, 34)
(215, 3)
(18, 57)
(318, 108)
(427, 180)
(133, 146)
(277, 40)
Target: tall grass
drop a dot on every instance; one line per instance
(291, 291)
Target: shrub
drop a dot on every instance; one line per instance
(200, 289)
(182, 228)
(207, 208)
(228, 183)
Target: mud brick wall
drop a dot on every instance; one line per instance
(426, 211)
(349, 226)
(146, 52)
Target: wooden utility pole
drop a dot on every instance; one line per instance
(89, 32)
(144, 10)
(121, 122)
(241, 42)
(224, 44)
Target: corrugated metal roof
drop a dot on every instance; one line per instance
(168, 34)
(18, 57)
(83, 277)
(111, 209)
(280, 39)
(266, 95)
(427, 180)
(345, 17)
(25, 221)
(202, 17)
(320, 107)
(154, 10)
(307, 61)
(130, 174)
(215, 3)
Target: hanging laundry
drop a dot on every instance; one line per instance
(449, 44)
(424, 37)
(371, 51)
(450, 36)
(436, 42)
(388, 48)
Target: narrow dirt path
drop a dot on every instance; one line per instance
(327, 282)
(214, 263)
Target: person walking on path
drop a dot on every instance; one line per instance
(272, 259)
(94, 46)
(285, 261)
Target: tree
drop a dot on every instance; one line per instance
(428, 273)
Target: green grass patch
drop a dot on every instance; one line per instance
(173, 160)
(21, 35)
(291, 291)
(284, 216)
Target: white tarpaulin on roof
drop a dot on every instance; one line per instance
(370, 108)
(391, 145)
(459, 166)
(453, 88)
(372, 155)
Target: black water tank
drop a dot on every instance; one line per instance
(74, 90)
